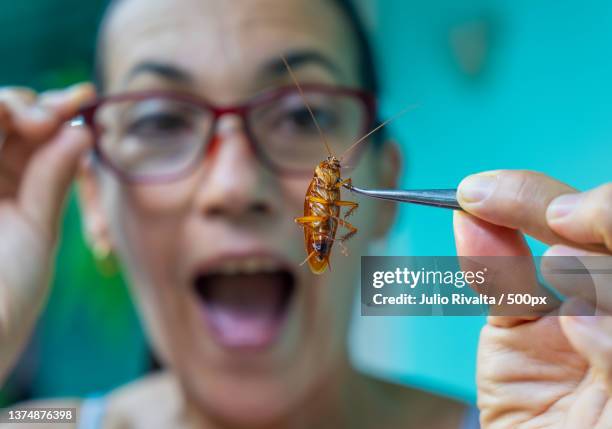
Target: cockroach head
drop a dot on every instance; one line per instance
(333, 162)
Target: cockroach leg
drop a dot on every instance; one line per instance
(310, 219)
(352, 229)
(320, 200)
(346, 203)
(341, 183)
(353, 206)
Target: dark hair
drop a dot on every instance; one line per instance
(367, 65)
(367, 68)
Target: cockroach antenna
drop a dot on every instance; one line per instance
(314, 119)
(362, 139)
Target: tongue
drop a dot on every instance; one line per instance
(245, 310)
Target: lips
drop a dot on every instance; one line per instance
(245, 300)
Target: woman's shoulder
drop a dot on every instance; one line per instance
(147, 402)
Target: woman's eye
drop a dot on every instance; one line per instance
(158, 124)
(301, 121)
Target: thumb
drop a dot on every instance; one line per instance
(49, 175)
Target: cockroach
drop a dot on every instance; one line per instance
(322, 214)
(323, 201)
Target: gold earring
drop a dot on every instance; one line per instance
(106, 262)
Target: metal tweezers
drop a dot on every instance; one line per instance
(443, 198)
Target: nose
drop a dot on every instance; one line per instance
(235, 186)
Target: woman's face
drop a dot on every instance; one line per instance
(211, 257)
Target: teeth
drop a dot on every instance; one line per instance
(268, 265)
(250, 266)
(229, 267)
(247, 265)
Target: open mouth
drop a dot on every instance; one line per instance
(245, 301)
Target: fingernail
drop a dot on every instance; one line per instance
(75, 95)
(77, 89)
(562, 206)
(476, 187)
(78, 86)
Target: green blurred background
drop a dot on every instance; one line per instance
(499, 84)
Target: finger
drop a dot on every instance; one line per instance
(584, 217)
(5, 119)
(48, 176)
(16, 100)
(514, 199)
(52, 109)
(578, 273)
(509, 263)
(37, 120)
(66, 103)
(22, 94)
(591, 337)
(13, 100)
(20, 114)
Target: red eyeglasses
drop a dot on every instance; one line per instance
(160, 136)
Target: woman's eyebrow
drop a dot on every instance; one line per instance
(165, 70)
(274, 66)
(296, 59)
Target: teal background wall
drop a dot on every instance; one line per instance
(499, 84)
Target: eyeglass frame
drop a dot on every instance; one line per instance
(242, 110)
